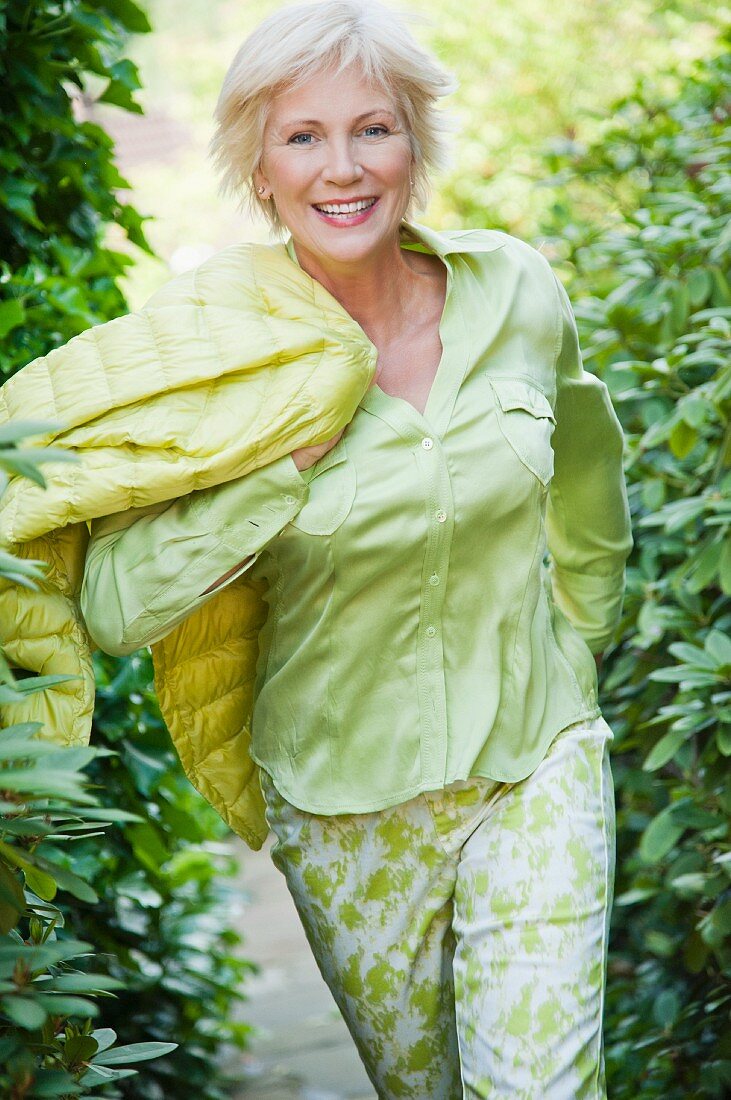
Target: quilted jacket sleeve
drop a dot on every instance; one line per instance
(587, 518)
(148, 568)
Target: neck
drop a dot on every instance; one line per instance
(377, 294)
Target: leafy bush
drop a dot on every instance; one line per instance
(653, 297)
(163, 907)
(164, 899)
(59, 181)
(45, 802)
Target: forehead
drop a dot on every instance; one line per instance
(329, 95)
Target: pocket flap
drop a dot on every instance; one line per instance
(513, 393)
(330, 458)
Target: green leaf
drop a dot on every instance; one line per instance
(666, 1008)
(130, 15)
(683, 439)
(63, 1005)
(67, 880)
(12, 314)
(660, 836)
(12, 900)
(695, 411)
(104, 1037)
(693, 655)
(26, 1012)
(640, 893)
(42, 955)
(15, 741)
(117, 93)
(53, 1082)
(79, 1048)
(700, 284)
(40, 882)
(724, 566)
(718, 645)
(694, 882)
(723, 740)
(664, 750)
(704, 567)
(715, 927)
(97, 1074)
(133, 1052)
(126, 73)
(79, 982)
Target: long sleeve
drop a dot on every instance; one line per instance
(587, 519)
(148, 568)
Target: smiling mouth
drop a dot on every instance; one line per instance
(344, 209)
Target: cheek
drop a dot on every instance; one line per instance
(286, 173)
(394, 164)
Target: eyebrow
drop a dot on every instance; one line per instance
(317, 121)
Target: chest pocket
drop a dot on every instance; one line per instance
(332, 491)
(526, 419)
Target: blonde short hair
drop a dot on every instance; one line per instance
(291, 46)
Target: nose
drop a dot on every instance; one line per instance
(342, 166)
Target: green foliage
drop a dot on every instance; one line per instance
(59, 181)
(164, 897)
(152, 896)
(45, 803)
(653, 297)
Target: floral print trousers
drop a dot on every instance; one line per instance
(463, 933)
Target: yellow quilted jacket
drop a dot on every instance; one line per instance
(226, 369)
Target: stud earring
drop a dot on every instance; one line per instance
(261, 190)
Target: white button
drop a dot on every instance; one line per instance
(427, 443)
(289, 500)
(431, 631)
(434, 580)
(441, 515)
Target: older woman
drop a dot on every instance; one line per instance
(438, 578)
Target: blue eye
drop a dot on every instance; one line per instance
(294, 140)
(381, 129)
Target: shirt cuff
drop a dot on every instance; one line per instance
(591, 603)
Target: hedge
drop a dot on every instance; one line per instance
(651, 283)
(152, 896)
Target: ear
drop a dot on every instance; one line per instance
(260, 180)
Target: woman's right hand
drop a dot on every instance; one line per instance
(304, 457)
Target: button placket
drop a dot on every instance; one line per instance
(430, 656)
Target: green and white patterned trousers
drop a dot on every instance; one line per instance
(464, 933)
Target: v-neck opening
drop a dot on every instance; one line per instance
(445, 384)
(425, 416)
(377, 396)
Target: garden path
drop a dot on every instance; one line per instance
(302, 1049)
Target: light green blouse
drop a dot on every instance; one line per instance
(436, 583)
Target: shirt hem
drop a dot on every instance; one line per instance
(497, 775)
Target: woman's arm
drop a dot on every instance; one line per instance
(148, 568)
(587, 518)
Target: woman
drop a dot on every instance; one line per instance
(433, 757)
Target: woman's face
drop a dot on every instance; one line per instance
(334, 141)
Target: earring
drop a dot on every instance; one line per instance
(261, 190)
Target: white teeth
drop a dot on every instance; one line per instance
(345, 207)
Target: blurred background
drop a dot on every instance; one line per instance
(145, 954)
(531, 75)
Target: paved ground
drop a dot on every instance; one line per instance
(302, 1050)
